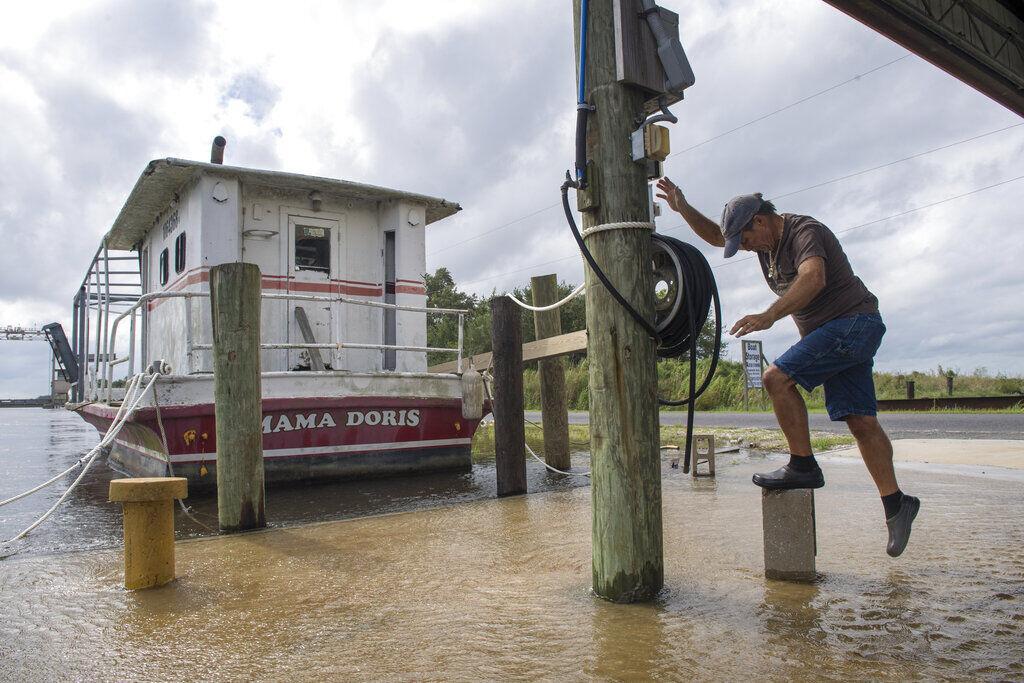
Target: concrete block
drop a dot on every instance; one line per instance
(790, 541)
(707, 455)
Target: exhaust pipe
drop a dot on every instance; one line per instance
(217, 151)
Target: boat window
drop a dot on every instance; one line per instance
(179, 253)
(313, 249)
(163, 268)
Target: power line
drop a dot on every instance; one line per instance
(748, 258)
(500, 227)
(720, 135)
(892, 163)
(901, 213)
(788, 106)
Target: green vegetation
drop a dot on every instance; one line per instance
(726, 389)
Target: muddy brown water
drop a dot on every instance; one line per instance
(499, 589)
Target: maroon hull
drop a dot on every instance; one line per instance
(303, 438)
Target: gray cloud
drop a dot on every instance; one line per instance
(483, 114)
(165, 37)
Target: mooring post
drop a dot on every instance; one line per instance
(790, 541)
(628, 564)
(148, 505)
(235, 307)
(551, 373)
(509, 418)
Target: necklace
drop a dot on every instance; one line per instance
(773, 265)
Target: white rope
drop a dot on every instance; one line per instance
(128, 406)
(170, 466)
(553, 469)
(575, 293)
(485, 376)
(57, 478)
(624, 225)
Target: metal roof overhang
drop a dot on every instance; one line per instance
(162, 178)
(980, 42)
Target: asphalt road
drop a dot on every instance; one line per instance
(898, 425)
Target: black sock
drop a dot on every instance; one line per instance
(802, 463)
(892, 503)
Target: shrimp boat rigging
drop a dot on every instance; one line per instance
(345, 387)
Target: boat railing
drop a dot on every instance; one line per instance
(108, 360)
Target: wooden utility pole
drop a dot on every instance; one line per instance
(625, 461)
(235, 308)
(551, 373)
(507, 366)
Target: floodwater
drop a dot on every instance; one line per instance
(499, 589)
(36, 444)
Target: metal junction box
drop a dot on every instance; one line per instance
(636, 50)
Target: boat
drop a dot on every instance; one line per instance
(345, 388)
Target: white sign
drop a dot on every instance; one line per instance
(752, 367)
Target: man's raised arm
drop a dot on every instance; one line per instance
(705, 228)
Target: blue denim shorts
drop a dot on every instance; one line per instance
(840, 355)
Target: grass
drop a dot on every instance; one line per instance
(579, 439)
(725, 392)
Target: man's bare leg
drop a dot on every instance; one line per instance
(802, 471)
(876, 449)
(790, 410)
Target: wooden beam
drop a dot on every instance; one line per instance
(552, 347)
(625, 461)
(509, 427)
(551, 372)
(235, 311)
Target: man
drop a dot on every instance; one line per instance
(840, 331)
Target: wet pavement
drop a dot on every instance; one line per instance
(499, 589)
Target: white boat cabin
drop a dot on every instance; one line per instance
(308, 235)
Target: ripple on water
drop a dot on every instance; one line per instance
(499, 590)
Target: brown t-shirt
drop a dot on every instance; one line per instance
(843, 295)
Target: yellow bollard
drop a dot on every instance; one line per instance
(148, 527)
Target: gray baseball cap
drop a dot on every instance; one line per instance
(735, 216)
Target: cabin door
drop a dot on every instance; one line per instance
(312, 269)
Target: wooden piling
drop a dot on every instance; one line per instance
(235, 308)
(507, 368)
(551, 373)
(628, 563)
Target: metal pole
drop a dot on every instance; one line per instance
(108, 371)
(131, 345)
(188, 335)
(458, 360)
(95, 392)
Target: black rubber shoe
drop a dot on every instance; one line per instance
(899, 525)
(787, 478)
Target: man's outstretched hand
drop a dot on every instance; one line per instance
(671, 194)
(752, 323)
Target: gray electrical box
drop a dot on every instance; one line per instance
(637, 61)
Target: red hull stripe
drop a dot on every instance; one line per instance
(289, 283)
(313, 451)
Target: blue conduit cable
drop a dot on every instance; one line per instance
(676, 332)
(582, 108)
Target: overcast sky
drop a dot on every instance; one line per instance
(474, 101)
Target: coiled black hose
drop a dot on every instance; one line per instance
(694, 291)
